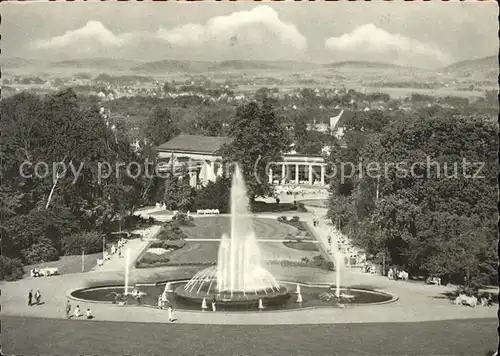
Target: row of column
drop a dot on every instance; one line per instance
(310, 173)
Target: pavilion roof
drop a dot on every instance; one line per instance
(194, 143)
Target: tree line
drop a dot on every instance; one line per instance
(440, 221)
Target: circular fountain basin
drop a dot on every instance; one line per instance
(313, 296)
(235, 298)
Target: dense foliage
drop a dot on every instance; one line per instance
(425, 210)
(47, 211)
(259, 138)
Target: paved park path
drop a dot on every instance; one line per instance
(417, 301)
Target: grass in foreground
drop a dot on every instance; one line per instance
(29, 336)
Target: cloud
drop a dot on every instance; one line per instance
(248, 27)
(370, 42)
(259, 30)
(93, 31)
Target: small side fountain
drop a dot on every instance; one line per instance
(168, 287)
(204, 304)
(261, 305)
(299, 294)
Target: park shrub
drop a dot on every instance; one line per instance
(169, 244)
(215, 195)
(153, 259)
(321, 262)
(11, 269)
(261, 207)
(90, 242)
(301, 208)
(295, 219)
(40, 251)
(171, 231)
(183, 219)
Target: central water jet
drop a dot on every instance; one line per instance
(239, 275)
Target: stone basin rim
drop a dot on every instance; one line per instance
(393, 299)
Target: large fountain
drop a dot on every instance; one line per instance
(240, 280)
(239, 276)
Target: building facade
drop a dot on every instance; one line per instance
(199, 155)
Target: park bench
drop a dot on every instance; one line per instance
(46, 272)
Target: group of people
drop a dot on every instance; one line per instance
(369, 268)
(472, 301)
(394, 274)
(37, 296)
(77, 312)
(118, 249)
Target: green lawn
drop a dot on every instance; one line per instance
(69, 264)
(30, 336)
(319, 203)
(205, 252)
(301, 245)
(214, 227)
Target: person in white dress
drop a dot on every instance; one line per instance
(170, 313)
(77, 312)
(89, 314)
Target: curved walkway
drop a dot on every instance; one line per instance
(417, 302)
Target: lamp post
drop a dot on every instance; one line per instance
(83, 260)
(103, 246)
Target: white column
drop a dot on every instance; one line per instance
(270, 176)
(322, 175)
(283, 171)
(192, 180)
(296, 174)
(310, 174)
(212, 171)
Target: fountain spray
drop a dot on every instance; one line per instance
(127, 263)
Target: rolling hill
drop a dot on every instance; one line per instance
(235, 65)
(17, 62)
(362, 65)
(172, 65)
(95, 63)
(486, 66)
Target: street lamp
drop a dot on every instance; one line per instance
(103, 246)
(83, 259)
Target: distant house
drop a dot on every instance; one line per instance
(336, 123)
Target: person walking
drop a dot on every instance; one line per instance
(214, 307)
(68, 309)
(38, 296)
(170, 313)
(160, 302)
(30, 298)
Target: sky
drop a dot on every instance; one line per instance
(419, 34)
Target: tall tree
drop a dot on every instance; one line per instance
(259, 138)
(160, 127)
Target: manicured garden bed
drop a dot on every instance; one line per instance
(301, 245)
(191, 253)
(214, 227)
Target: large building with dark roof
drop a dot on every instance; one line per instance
(200, 154)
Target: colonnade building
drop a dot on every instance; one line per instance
(200, 155)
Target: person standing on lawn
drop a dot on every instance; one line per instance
(214, 307)
(68, 309)
(170, 313)
(38, 296)
(30, 298)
